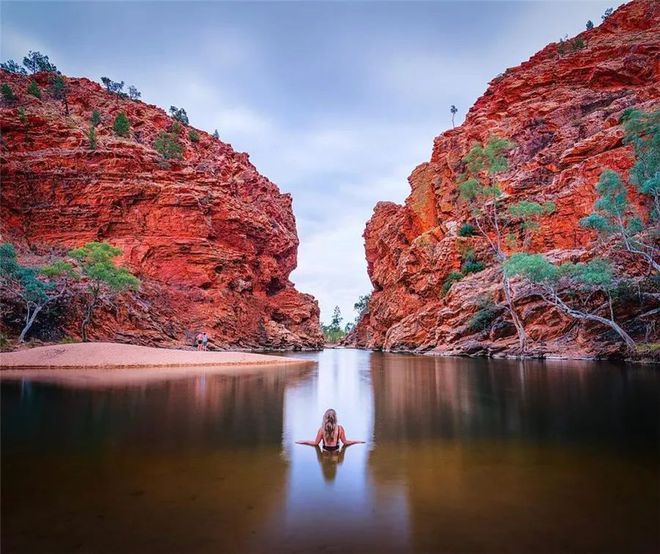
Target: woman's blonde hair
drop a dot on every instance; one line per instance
(329, 424)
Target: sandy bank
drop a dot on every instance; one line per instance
(108, 355)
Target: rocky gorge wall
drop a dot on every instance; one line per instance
(212, 240)
(562, 110)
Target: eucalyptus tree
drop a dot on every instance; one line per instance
(614, 216)
(502, 225)
(113, 87)
(454, 111)
(104, 279)
(13, 67)
(34, 288)
(134, 93)
(582, 291)
(179, 114)
(36, 62)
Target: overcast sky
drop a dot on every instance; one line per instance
(336, 102)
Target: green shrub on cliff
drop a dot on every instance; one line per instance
(485, 315)
(193, 135)
(7, 93)
(573, 45)
(169, 146)
(472, 266)
(577, 44)
(121, 125)
(452, 278)
(22, 116)
(175, 128)
(59, 91)
(34, 90)
(96, 118)
(466, 230)
(91, 137)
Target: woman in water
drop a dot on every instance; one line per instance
(330, 433)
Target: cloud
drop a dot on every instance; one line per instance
(333, 266)
(416, 75)
(15, 44)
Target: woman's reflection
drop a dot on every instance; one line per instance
(330, 461)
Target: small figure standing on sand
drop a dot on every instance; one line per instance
(199, 340)
(330, 434)
(205, 341)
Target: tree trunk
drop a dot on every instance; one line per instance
(29, 320)
(87, 319)
(577, 314)
(517, 322)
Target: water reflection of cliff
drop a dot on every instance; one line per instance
(218, 410)
(418, 398)
(518, 457)
(154, 468)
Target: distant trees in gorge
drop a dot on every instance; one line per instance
(88, 275)
(334, 332)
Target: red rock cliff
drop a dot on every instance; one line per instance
(212, 240)
(563, 112)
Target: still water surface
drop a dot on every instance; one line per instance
(461, 456)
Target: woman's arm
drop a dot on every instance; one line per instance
(342, 438)
(315, 442)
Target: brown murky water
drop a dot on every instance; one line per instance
(461, 456)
